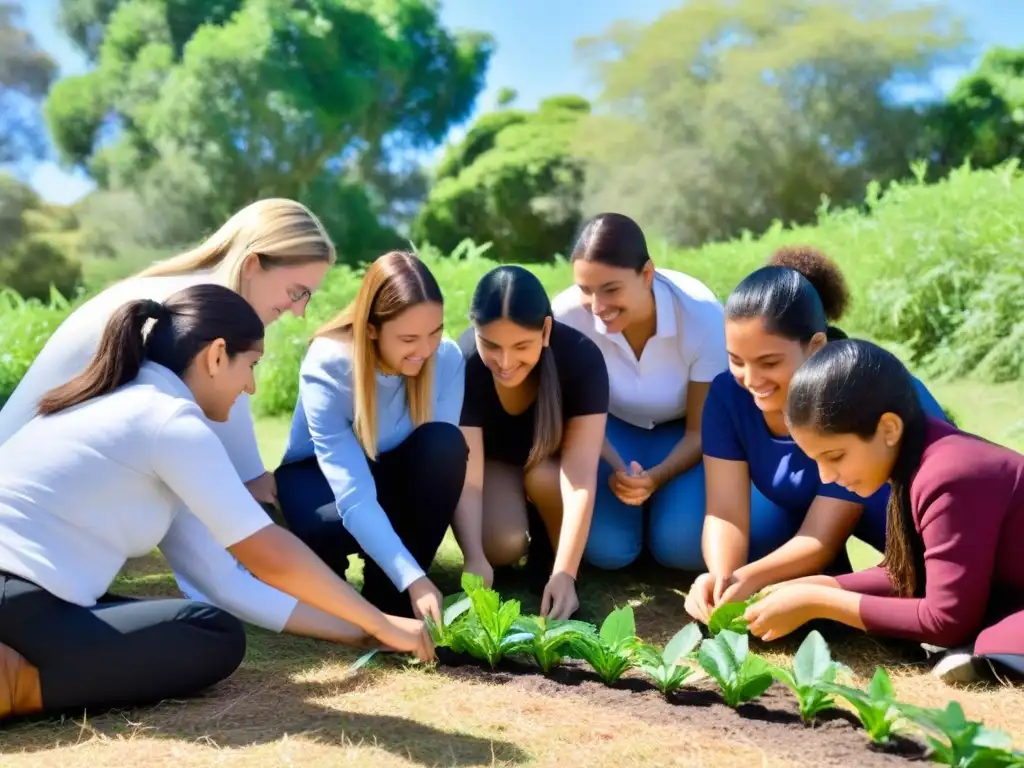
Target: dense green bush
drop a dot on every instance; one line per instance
(933, 270)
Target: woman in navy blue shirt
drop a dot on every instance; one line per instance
(788, 523)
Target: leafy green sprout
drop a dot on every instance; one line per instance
(956, 741)
(549, 641)
(875, 706)
(613, 650)
(742, 676)
(812, 669)
(666, 667)
(730, 616)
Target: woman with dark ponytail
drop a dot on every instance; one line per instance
(768, 516)
(952, 575)
(106, 471)
(534, 415)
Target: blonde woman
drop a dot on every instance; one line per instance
(375, 461)
(274, 253)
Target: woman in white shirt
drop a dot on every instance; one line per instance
(375, 461)
(274, 253)
(662, 336)
(103, 474)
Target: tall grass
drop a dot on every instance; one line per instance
(934, 272)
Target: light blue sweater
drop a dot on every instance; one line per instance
(323, 426)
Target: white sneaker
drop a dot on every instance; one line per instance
(957, 667)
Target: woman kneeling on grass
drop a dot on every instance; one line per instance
(534, 417)
(375, 462)
(660, 333)
(952, 573)
(274, 253)
(102, 474)
(790, 523)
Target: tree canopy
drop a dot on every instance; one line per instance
(206, 105)
(512, 181)
(25, 75)
(722, 117)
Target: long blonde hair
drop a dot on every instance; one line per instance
(280, 232)
(394, 282)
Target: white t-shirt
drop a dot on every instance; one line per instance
(85, 489)
(688, 345)
(67, 353)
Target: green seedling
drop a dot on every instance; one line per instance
(666, 667)
(813, 668)
(454, 606)
(485, 630)
(962, 743)
(730, 616)
(876, 706)
(548, 641)
(741, 675)
(613, 650)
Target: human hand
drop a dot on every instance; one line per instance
(406, 636)
(782, 611)
(700, 600)
(478, 564)
(819, 580)
(633, 487)
(559, 600)
(426, 599)
(735, 590)
(264, 489)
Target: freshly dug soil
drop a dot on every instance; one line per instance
(772, 722)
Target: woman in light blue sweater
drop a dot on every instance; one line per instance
(375, 461)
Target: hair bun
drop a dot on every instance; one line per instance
(820, 271)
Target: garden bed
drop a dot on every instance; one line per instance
(771, 723)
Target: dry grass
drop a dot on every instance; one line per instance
(294, 702)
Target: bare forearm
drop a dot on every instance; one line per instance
(724, 544)
(838, 605)
(577, 510)
(683, 457)
(307, 621)
(611, 456)
(468, 523)
(280, 559)
(800, 556)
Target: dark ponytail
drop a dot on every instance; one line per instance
(612, 239)
(799, 293)
(510, 292)
(184, 324)
(846, 388)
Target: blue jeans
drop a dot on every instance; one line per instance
(676, 510)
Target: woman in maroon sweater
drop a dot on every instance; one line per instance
(953, 573)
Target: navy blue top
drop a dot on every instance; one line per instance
(733, 428)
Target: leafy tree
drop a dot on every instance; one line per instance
(512, 181)
(30, 261)
(982, 119)
(25, 76)
(720, 117)
(204, 106)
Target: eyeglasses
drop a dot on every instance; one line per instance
(299, 294)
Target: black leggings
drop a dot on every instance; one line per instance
(419, 483)
(121, 652)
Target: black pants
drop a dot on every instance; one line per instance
(418, 485)
(121, 652)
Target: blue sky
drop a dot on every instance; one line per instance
(534, 54)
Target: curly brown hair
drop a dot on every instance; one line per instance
(820, 271)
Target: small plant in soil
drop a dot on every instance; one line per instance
(485, 630)
(666, 667)
(956, 741)
(613, 650)
(454, 606)
(549, 641)
(876, 706)
(812, 669)
(742, 676)
(730, 616)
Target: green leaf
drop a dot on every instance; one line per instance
(812, 659)
(471, 582)
(728, 616)
(881, 685)
(455, 608)
(619, 627)
(363, 660)
(682, 644)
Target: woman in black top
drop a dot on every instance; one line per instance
(534, 414)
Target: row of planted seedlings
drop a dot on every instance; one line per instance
(479, 624)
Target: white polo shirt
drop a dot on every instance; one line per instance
(85, 489)
(688, 345)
